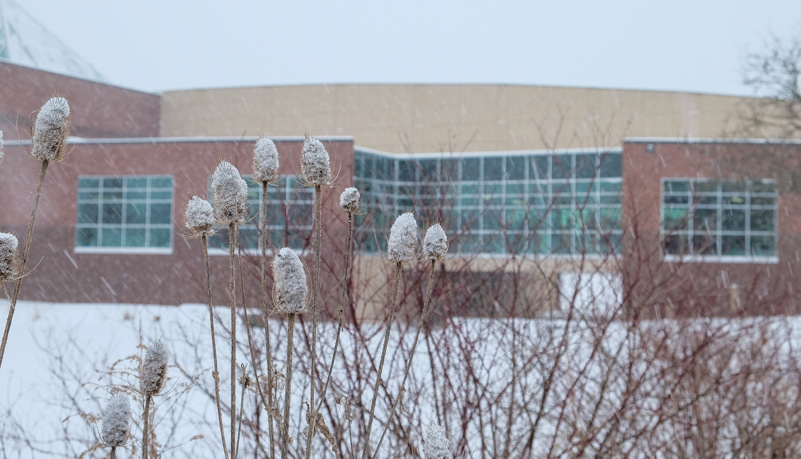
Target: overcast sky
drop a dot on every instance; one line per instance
(155, 45)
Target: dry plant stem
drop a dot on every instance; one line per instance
(318, 210)
(113, 454)
(265, 305)
(21, 274)
(146, 428)
(398, 271)
(290, 336)
(423, 317)
(216, 374)
(341, 310)
(241, 409)
(232, 233)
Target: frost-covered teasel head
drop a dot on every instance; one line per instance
(230, 194)
(435, 244)
(116, 421)
(199, 215)
(290, 282)
(436, 443)
(315, 164)
(51, 130)
(265, 161)
(8, 247)
(402, 239)
(153, 371)
(349, 199)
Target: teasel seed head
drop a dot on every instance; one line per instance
(265, 161)
(315, 163)
(436, 443)
(230, 193)
(8, 247)
(199, 215)
(402, 239)
(435, 244)
(349, 199)
(153, 371)
(116, 426)
(51, 129)
(290, 282)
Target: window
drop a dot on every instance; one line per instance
(710, 218)
(124, 213)
(290, 215)
(567, 203)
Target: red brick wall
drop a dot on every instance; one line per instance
(656, 287)
(98, 110)
(62, 275)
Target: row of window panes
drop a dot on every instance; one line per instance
(290, 214)
(497, 167)
(719, 218)
(124, 212)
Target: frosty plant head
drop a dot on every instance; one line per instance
(116, 421)
(265, 161)
(8, 246)
(402, 239)
(349, 199)
(230, 194)
(51, 129)
(199, 215)
(153, 371)
(435, 244)
(436, 444)
(290, 282)
(315, 164)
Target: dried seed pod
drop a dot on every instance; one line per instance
(116, 421)
(436, 444)
(153, 371)
(51, 130)
(435, 244)
(230, 194)
(349, 199)
(290, 282)
(315, 163)
(265, 161)
(403, 239)
(8, 247)
(199, 215)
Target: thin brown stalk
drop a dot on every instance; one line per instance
(341, 310)
(244, 384)
(423, 317)
(266, 307)
(216, 374)
(318, 206)
(12, 306)
(398, 271)
(146, 428)
(290, 336)
(232, 233)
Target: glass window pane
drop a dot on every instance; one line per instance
(733, 245)
(160, 237)
(561, 167)
(585, 166)
(516, 167)
(407, 170)
(160, 213)
(161, 182)
(428, 170)
(763, 246)
(539, 167)
(135, 237)
(87, 237)
(111, 237)
(88, 183)
(112, 213)
(611, 165)
(87, 213)
(471, 169)
(493, 169)
(734, 220)
(136, 182)
(112, 182)
(136, 213)
(763, 220)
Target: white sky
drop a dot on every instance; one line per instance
(155, 45)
